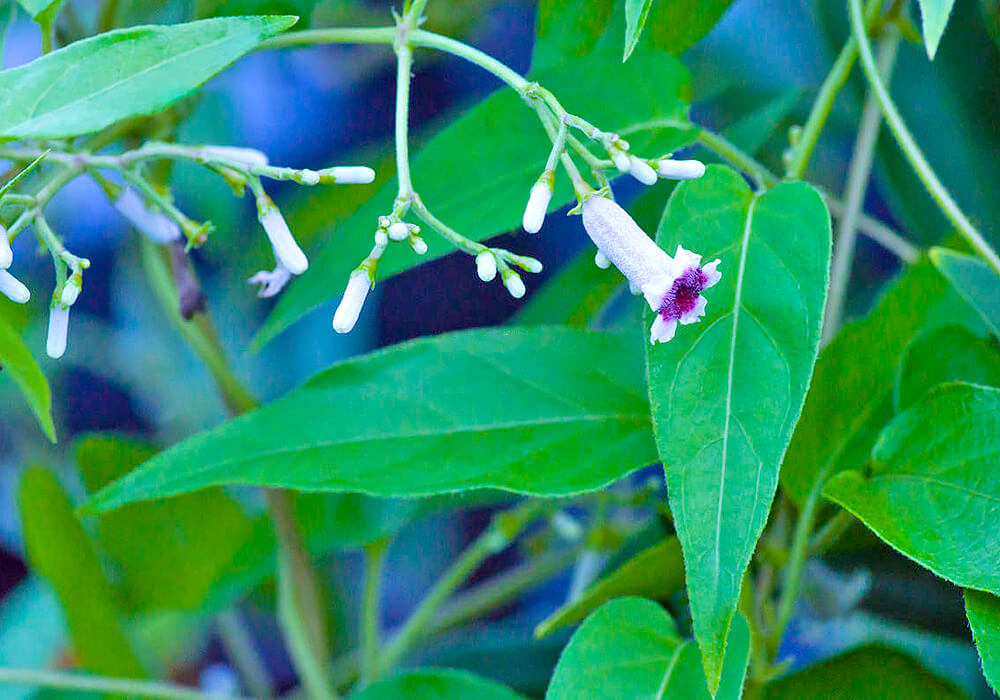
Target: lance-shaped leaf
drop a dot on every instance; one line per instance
(636, 12)
(934, 16)
(983, 610)
(96, 82)
(932, 490)
(547, 411)
(975, 281)
(726, 392)
(630, 648)
(20, 366)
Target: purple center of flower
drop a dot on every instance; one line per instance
(683, 295)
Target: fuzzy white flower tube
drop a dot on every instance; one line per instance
(538, 204)
(670, 169)
(672, 286)
(247, 156)
(348, 175)
(55, 345)
(155, 225)
(6, 254)
(350, 306)
(12, 288)
(286, 250)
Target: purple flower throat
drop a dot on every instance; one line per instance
(683, 295)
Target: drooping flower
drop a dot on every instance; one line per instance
(12, 288)
(350, 306)
(155, 225)
(671, 285)
(538, 203)
(6, 254)
(55, 345)
(271, 282)
(286, 250)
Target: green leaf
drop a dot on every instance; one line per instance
(574, 296)
(872, 672)
(983, 611)
(656, 573)
(636, 12)
(514, 409)
(934, 16)
(568, 29)
(677, 25)
(96, 82)
(437, 684)
(617, 98)
(61, 552)
(851, 396)
(974, 281)
(726, 392)
(629, 648)
(37, 7)
(947, 354)
(196, 535)
(750, 132)
(18, 364)
(933, 487)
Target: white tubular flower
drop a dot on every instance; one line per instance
(347, 313)
(514, 284)
(155, 225)
(348, 175)
(399, 231)
(286, 250)
(601, 260)
(6, 254)
(55, 345)
(270, 283)
(486, 266)
(12, 288)
(680, 169)
(672, 286)
(538, 203)
(247, 156)
(642, 171)
(71, 290)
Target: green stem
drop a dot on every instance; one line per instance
(240, 649)
(858, 175)
(841, 71)
(404, 67)
(371, 608)
(831, 531)
(729, 152)
(500, 533)
(939, 193)
(60, 680)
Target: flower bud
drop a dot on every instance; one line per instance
(621, 160)
(286, 250)
(601, 260)
(155, 225)
(350, 306)
(680, 169)
(250, 157)
(347, 175)
(399, 231)
(642, 171)
(381, 239)
(55, 345)
(6, 254)
(514, 284)
(71, 290)
(12, 288)
(419, 245)
(538, 203)
(486, 266)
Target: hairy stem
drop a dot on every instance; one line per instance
(939, 193)
(858, 175)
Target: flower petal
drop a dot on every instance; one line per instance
(695, 314)
(711, 271)
(656, 289)
(684, 259)
(662, 331)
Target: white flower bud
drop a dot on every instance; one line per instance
(642, 171)
(12, 288)
(155, 225)
(6, 254)
(55, 345)
(419, 245)
(350, 306)
(272, 282)
(486, 266)
(530, 264)
(514, 284)
(308, 177)
(601, 260)
(538, 204)
(680, 169)
(248, 156)
(286, 250)
(71, 290)
(399, 231)
(381, 239)
(348, 175)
